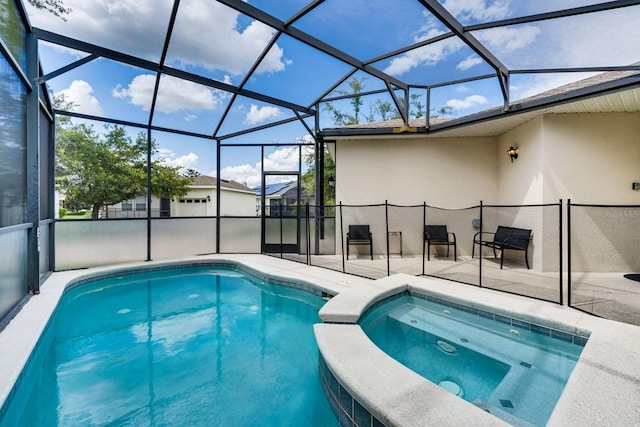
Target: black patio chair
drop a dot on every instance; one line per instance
(359, 235)
(437, 235)
(511, 238)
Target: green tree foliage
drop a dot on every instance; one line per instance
(94, 171)
(380, 110)
(193, 173)
(341, 118)
(309, 177)
(54, 6)
(444, 111)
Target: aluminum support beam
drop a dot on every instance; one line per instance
(456, 27)
(554, 15)
(279, 25)
(152, 66)
(33, 168)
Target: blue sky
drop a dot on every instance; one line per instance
(219, 43)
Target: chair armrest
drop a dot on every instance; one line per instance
(483, 232)
(454, 236)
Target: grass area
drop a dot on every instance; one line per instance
(80, 215)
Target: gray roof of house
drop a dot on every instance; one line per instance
(211, 181)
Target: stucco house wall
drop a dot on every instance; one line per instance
(594, 159)
(589, 158)
(449, 173)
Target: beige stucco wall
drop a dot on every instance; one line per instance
(589, 158)
(443, 172)
(451, 173)
(593, 159)
(521, 183)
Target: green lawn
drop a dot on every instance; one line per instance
(81, 215)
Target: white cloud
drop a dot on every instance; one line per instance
(284, 159)
(173, 94)
(258, 115)
(468, 102)
(469, 62)
(499, 40)
(80, 93)
(478, 10)
(187, 161)
(427, 55)
(462, 88)
(206, 33)
(246, 174)
(504, 40)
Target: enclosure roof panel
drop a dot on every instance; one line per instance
(226, 68)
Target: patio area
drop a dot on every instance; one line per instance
(609, 295)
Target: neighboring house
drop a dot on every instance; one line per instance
(281, 198)
(235, 200)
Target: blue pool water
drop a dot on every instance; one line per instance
(509, 368)
(190, 347)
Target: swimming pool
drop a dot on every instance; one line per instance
(206, 345)
(509, 368)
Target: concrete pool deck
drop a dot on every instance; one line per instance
(604, 388)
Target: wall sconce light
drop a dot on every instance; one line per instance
(512, 152)
(332, 181)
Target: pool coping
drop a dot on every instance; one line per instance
(603, 389)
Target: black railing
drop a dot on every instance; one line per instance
(398, 245)
(602, 252)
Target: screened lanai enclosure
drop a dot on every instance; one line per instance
(139, 130)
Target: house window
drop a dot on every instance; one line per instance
(141, 204)
(127, 205)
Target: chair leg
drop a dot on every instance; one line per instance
(526, 257)
(455, 252)
(473, 250)
(371, 249)
(448, 251)
(501, 258)
(428, 251)
(347, 251)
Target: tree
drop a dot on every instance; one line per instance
(444, 110)
(94, 171)
(54, 6)
(309, 177)
(192, 173)
(379, 110)
(345, 119)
